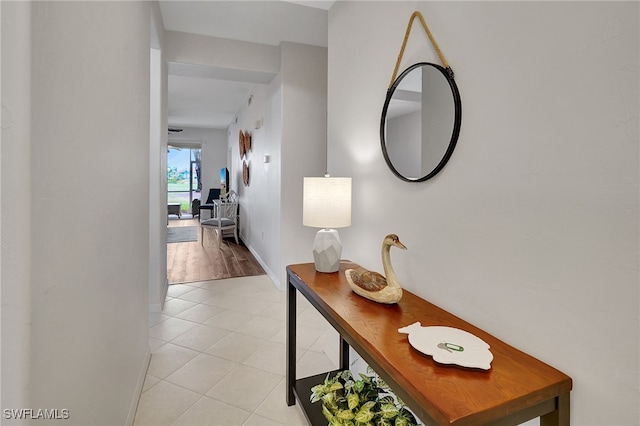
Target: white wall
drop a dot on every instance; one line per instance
(234, 59)
(304, 144)
(259, 206)
(15, 203)
(83, 266)
(214, 157)
(531, 230)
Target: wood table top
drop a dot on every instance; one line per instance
(449, 394)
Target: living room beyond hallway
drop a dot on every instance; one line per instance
(193, 261)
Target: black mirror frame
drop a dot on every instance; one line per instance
(448, 74)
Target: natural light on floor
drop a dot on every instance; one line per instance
(218, 355)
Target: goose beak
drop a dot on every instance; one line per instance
(400, 245)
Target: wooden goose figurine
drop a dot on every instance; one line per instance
(373, 285)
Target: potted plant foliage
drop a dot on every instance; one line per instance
(368, 401)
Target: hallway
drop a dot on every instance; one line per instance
(218, 355)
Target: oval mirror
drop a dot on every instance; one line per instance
(420, 121)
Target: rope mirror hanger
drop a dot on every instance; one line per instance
(418, 15)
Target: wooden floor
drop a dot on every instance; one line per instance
(191, 261)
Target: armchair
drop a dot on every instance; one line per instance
(214, 194)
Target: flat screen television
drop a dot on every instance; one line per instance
(224, 182)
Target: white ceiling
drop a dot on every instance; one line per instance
(200, 98)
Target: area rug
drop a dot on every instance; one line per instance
(182, 234)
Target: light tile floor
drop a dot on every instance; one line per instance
(218, 355)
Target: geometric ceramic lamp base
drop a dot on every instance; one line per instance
(327, 250)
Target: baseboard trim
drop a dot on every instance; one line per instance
(139, 386)
(164, 293)
(268, 271)
(158, 307)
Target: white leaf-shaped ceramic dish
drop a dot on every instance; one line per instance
(448, 345)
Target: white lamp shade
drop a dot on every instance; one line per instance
(326, 202)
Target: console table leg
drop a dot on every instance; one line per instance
(291, 342)
(344, 354)
(560, 416)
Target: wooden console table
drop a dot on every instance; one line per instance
(517, 388)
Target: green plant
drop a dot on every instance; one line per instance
(364, 402)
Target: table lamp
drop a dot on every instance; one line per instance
(327, 204)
